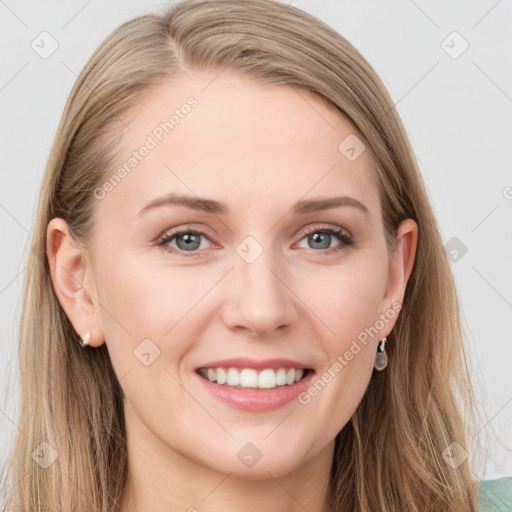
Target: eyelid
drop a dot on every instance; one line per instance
(169, 233)
(343, 234)
(320, 227)
(306, 229)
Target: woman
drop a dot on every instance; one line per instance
(185, 343)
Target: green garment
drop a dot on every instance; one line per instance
(495, 495)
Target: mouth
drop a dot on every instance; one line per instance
(257, 386)
(244, 378)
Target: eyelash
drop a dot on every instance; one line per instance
(336, 231)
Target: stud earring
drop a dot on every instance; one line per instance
(381, 359)
(84, 341)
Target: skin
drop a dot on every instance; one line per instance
(258, 149)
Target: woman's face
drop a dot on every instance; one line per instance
(255, 274)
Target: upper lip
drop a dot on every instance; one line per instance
(256, 364)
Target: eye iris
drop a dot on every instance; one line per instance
(316, 236)
(190, 240)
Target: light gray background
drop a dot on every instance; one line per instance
(457, 112)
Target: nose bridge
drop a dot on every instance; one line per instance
(258, 296)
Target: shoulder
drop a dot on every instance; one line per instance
(495, 495)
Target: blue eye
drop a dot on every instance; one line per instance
(189, 240)
(321, 234)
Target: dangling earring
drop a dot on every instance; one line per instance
(381, 359)
(85, 340)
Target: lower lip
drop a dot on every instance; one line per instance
(257, 399)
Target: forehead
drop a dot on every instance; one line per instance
(229, 137)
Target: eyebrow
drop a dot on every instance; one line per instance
(211, 206)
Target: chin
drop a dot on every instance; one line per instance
(246, 465)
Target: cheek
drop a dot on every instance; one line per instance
(349, 300)
(150, 301)
(144, 298)
(351, 305)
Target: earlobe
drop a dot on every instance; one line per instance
(71, 281)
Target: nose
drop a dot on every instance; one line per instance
(258, 297)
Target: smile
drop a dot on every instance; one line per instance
(267, 378)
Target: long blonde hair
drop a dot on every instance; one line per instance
(389, 455)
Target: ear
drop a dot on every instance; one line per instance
(400, 266)
(73, 281)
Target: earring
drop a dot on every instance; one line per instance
(85, 340)
(381, 359)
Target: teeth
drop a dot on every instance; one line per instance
(281, 377)
(222, 377)
(233, 377)
(250, 378)
(267, 379)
